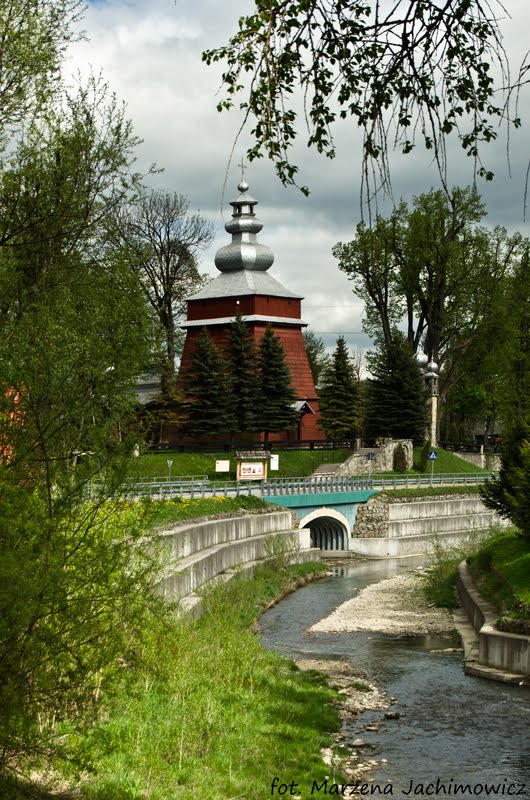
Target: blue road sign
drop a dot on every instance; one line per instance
(433, 455)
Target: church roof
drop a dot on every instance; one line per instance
(243, 282)
(243, 263)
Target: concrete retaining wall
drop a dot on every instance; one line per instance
(497, 649)
(407, 527)
(198, 553)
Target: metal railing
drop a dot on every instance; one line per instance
(200, 486)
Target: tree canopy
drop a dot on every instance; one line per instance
(276, 410)
(206, 386)
(400, 71)
(509, 493)
(162, 238)
(436, 271)
(74, 334)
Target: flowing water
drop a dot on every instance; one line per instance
(452, 729)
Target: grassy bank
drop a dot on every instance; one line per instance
(501, 571)
(297, 463)
(186, 509)
(446, 462)
(292, 463)
(201, 709)
(441, 574)
(434, 491)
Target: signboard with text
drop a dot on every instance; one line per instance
(251, 470)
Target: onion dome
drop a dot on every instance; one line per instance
(244, 252)
(432, 369)
(422, 358)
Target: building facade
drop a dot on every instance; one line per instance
(244, 287)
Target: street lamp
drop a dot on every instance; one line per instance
(430, 371)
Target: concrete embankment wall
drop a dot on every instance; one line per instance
(384, 528)
(496, 649)
(197, 553)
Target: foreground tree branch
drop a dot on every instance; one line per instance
(405, 72)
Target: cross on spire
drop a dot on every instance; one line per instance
(243, 168)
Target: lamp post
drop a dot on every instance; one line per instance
(431, 371)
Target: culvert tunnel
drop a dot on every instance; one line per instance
(327, 532)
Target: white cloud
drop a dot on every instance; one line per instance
(150, 53)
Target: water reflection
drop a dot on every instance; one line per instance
(452, 727)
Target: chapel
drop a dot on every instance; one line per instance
(244, 287)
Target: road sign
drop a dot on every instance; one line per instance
(433, 455)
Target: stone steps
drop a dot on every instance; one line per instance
(325, 470)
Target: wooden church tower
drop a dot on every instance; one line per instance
(245, 287)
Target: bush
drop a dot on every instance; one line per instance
(73, 589)
(400, 459)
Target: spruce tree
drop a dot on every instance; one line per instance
(206, 388)
(395, 397)
(340, 405)
(276, 410)
(242, 362)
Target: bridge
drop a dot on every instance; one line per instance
(330, 516)
(326, 505)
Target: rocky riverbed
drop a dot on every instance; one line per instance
(396, 606)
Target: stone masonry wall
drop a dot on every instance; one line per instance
(371, 520)
(376, 459)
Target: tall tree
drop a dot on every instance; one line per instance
(277, 398)
(34, 36)
(316, 355)
(74, 333)
(400, 71)
(509, 493)
(340, 403)
(435, 270)
(206, 388)
(395, 395)
(242, 363)
(163, 239)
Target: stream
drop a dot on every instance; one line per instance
(452, 728)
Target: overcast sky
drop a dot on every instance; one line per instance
(149, 51)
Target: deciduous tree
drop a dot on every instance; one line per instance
(509, 493)
(435, 270)
(163, 239)
(74, 334)
(316, 355)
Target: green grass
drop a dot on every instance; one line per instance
(501, 570)
(296, 463)
(442, 568)
(427, 491)
(202, 710)
(293, 463)
(187, 508)
(446, 461)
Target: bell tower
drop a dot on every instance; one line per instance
(245, 287)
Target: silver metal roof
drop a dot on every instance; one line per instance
(243, 282)
(197, 323)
